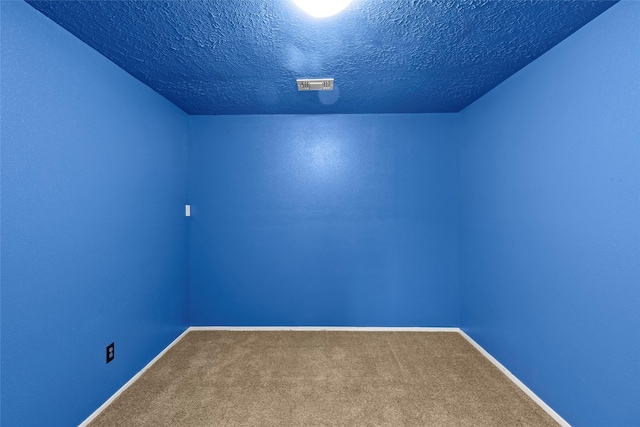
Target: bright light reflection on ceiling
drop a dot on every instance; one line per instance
(322, 8)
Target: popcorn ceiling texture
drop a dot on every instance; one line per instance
(387, 56)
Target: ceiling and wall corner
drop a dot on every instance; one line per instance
(391, 56)
(91, 166)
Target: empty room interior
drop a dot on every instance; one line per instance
(271, 213)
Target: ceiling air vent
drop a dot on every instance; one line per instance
(315, 84)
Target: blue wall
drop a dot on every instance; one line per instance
(550, 228)
(319, 220)
(324, 220)
(94, 239)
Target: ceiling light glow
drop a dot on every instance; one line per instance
(322, 8)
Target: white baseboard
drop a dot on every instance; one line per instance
(477, 346)
(516, 381)
(131, 381)
(324, 328)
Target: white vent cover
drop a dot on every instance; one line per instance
(315, 84)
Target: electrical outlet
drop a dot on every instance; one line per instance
(111, 352)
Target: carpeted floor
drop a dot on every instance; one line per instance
(217, 378)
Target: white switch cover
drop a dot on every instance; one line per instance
(187, 210)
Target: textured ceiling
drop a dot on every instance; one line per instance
(243, 56)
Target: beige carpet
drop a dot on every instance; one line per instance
(323, 379)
